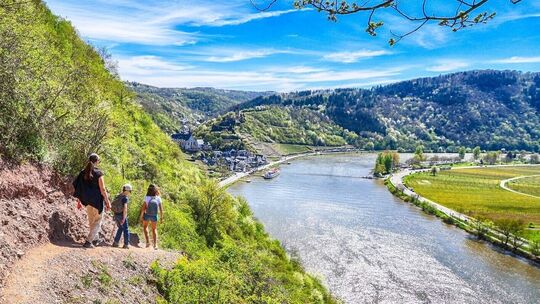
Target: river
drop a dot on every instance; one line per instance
(369, 247)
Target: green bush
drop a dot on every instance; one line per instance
(535, 248)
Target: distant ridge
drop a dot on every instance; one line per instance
(172, 108)
(489, 108)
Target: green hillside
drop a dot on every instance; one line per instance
(492, 109)
(59, 103)
(272, 124)
(171, 108)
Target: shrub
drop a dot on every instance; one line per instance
(535, 248)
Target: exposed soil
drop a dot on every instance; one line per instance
(70, 274)
(36, 209)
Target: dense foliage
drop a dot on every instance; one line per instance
(172, 108)
(59, 102)
(386, 163)
(492, 109)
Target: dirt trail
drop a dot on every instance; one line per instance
(37, 211)
(68, 273)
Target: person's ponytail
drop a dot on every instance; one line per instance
(89, 171)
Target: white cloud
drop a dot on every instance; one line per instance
(513, 16)
(236, 20)
(351, 57)
(159, 72)
(518, 59)
(154, 22)
(108, 29)
(239, 55)
(447, 66)
(148, 65)
(301, 69)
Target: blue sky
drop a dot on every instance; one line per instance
(230, 44)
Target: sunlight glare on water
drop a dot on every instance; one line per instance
(369, 247)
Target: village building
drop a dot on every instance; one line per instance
(189, 143)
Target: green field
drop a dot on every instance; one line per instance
(529, 185)
(292, 149)
(476, 192)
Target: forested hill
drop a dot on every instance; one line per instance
(492, 109)
(171, 108)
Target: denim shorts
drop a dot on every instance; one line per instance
(150, 218)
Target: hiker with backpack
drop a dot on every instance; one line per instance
(90, 192)
(120, 207)
(149, 213)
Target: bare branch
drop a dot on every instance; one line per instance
(463, 16)
(267, 7)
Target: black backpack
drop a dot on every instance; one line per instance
(117, 205)
(78, 188)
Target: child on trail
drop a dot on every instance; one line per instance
(149, 213)
(120, 206)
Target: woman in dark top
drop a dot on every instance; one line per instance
(90, 191)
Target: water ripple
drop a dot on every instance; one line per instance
(368, 247)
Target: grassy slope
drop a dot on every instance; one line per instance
(290, 126)
(477, 192)
(293, 149)
(280, 125)
(230, 259)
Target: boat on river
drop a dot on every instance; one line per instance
(271, 174)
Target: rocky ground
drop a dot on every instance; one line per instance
(63, 273)
(36, 207)
(41, 258)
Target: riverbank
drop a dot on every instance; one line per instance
(239, 175)
(477, 227)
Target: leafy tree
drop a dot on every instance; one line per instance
(491, 157)
(481, 226)
(509, 157)
(369, 146)
(419, 153)
(476, 152)
(385, 163)
(518, 228)
(434, 170)
(461, 152)
(511, 229)
(388, 164)
(211, 206)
